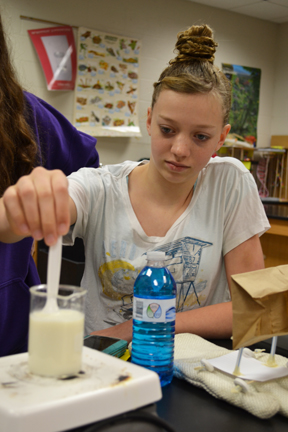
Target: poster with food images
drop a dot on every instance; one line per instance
(107, 84)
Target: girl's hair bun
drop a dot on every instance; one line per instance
(196, 43)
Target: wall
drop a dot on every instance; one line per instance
(242, 40)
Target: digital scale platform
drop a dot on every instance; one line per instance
(106, 386)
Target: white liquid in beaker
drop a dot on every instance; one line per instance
(55, 342)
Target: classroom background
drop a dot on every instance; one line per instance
(243, 40)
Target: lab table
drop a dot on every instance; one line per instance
(188, 408)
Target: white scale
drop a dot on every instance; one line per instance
(108, 387)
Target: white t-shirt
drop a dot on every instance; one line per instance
(225, 211)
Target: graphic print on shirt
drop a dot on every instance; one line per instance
(117, 279)
(183, 258)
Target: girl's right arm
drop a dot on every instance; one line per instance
(38, 205)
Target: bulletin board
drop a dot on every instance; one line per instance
(245, 82)
(107, 84)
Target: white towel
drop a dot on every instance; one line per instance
(263, 399)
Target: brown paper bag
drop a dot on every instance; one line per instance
(260, 305)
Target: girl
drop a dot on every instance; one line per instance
(204, 212)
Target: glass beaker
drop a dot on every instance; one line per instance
(56, 338)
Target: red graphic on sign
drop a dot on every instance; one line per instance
(56, 50)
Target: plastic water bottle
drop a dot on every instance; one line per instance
(154, 318)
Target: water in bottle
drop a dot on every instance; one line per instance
(154, 317)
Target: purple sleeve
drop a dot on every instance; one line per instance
(62, 146)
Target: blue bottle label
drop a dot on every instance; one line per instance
(154, 310)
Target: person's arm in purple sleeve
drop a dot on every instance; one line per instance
(62, 145)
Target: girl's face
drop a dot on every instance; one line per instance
(185, 129)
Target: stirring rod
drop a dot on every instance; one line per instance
(238, 361)
(53, 276)
(271, 360)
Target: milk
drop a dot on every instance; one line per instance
(55, 342)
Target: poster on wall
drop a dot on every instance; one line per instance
(107, 84)
(245, 100)
(56, 50)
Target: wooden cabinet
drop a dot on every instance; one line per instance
(275, 243)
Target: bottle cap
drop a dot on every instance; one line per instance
(156, 256)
